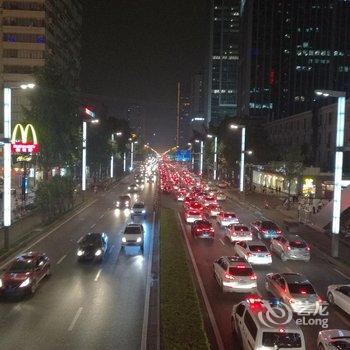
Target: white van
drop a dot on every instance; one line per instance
(255, 333)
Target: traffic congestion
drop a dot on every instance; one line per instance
(267, 288)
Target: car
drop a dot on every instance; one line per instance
(23, 275)
(123, 202)
(93, 246)
(138, 209)
(139, 180)
(294, 290)
(212, 210)
(333, 339)
(223, 184)
(234, 274)
(151, 179)
(187, 201)
(195, 206)
(290, 247)
(265, 229)
(192, 215)
(133, 235)
(226, 218)
(220, 196)
(181, 195)
(202, 229)
(339, 294)
(254, 333)
(255, 252)
(238, 233)
(208, 200)
(133, 188)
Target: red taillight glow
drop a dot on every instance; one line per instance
(289, 248)
(303, 292)
(308, 248)
(240, 266)
(281, 330)
(253, 277)
(253, 300)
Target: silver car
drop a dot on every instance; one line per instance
(294, 290)
(138, 209)
(290, 247)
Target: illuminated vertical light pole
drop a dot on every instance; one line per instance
(124, 162)
(241, 179)
(215, 164)
(7, 166)
(83, 165)
(338, 166)
(242, 165)
(201, 159)
(132, 156)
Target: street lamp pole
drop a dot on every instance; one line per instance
(338, 168)
(124, 162)
(242, 166)
(112, 160)
(215, 164)
(83, 166)
(132, 156)
(201, 159)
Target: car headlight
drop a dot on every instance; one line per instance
(124, 240)
(139, 239)
(132, 210)
(98, 252)
(25, 283)
(143, 211)
(129, 188)
(80, 252)
(118, 204)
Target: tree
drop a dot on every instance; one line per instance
(54, 114)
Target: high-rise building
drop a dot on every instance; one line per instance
(223, 61)
(185, 119)
(290, 48)
(31, 32)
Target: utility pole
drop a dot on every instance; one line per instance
(178, 115)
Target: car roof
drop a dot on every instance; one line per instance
(232, 260)
(294, 278)
(125, 196)
(293, 237)
(139, 203)
(134, 225)
(255, 242)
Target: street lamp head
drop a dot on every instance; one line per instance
(119, 133)
(318, 92)
(189, 144)
(136, 142)
(95, 121)
(27, 86)
(130, 139)
(210, 136)
(249, 152)
(233, 126)
(196, 141)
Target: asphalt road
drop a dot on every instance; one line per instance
(85, 305)
(318, 271)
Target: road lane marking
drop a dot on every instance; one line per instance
(341, 274)
(214, 325)
(98, 275)
(92, 226)
(222, 242)
(101, 216)
(59, 261)
(75, 319)
(80, 239)
(148, 289)
(49, 233)
(344, 319)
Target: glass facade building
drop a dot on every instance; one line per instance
(223, 60)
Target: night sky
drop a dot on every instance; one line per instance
(136, 50)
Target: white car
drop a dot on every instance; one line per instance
(339, 294)
(255, 252)
(208, 200)
(333, 339)
(238, 233)
(193, 215)
(227, 218)
(234, 274)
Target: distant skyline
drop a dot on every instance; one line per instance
(137, 51)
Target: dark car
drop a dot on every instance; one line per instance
(202, 229)
(266, 229)
(123, 202)
(24, 274)
(93, 246)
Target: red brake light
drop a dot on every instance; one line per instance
(281, 330)
(289, 248)
(240, 266)
(308, 248)
(253, 277)
(303, 292)
(253, 300)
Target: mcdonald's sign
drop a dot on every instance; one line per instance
(24, 139)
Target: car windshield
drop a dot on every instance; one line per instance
(139, 205)
(297, 244)
(301, 288)
(21, 266)
(258, 248)
(241, 271)
(124, 198)
(269, 225)
(132, 230)
(91, 239)
(341, 344)
(229, 215)
(281, 340)
(241, 228)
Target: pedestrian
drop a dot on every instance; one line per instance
(319, 206)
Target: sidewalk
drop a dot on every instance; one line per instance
(317, 237)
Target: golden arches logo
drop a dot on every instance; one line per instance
(24, 144)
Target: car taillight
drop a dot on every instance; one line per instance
(264, 230)
(308, 248)
(268, 254)
(229, 277)
(240, 266)
(249, 253)
(303, 292)
(291, 301)
(278, 231)
(253, 277)
(289, 248)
